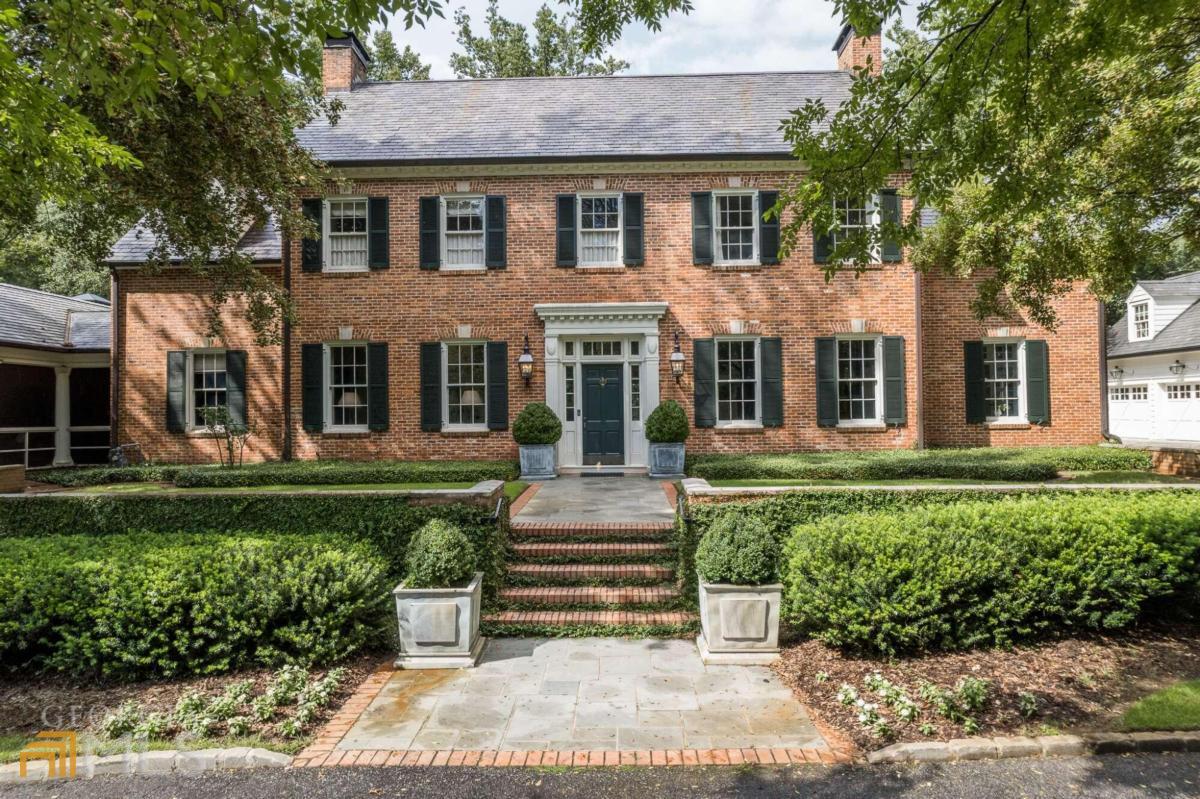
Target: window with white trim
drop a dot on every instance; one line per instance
(466, 385)
(859, 377)
(1128, 393)
(737, 381)
(635, 392)
(346, 396)
(599, 229)
(208, 384)
(1003, 380)
(463, 236)
(569, 384)
(1140, 315)
(1178, 391)
(855, 215)
(735, 227)
(346, 234)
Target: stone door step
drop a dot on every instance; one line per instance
(585, 595)
(540, 550)
(671, 618)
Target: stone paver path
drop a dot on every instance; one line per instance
(597, 500)
(590, 694)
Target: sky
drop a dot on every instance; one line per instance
(717, 36)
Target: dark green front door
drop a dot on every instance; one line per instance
(603, 414)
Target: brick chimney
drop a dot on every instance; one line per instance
(855, 52)
(344, 63)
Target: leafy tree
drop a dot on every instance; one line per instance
(388, 63)
(40, 255)
(559, 48)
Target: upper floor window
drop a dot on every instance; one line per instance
(859, 378)
(736, 227)
(346, 378)
(855, 215)
(600, 230)
(737, 381)
(463, 223)
(346, 234)
(208, 385)
(1140, 314)
(1004, 380)
(465, 396)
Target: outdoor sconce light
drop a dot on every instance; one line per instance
(677, 360)
(1178, 368)
(525, 363)
(1116, 372)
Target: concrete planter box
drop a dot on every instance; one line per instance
(439, 627)
(739, 624)
(666, 460)
(538, 461)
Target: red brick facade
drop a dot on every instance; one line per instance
(404, 306)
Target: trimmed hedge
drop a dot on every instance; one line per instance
(983, 463)
(289, 473)
(981, 574)
(667, 424)
(738, 550)
(439, 555)
(153, 605)
(537, 425)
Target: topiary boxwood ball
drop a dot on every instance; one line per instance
(537, 424)
(668, 424)
(439, 556)
(738, 549)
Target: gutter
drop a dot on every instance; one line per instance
(286, 346)
(1102, 321)
(559, 159)
(114, 363)
(920, 353)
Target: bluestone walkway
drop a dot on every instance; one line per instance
(598, 500)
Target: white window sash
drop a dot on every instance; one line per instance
(460, 427)
(757, 420)
(1022, 383)
(190, 404)
(877, 419)
(329, 426)
(718, 259)
(446, 235)
(872, 208)
(617, 259)
(327, 236)
(1134, 335)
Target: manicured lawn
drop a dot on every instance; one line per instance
(1174, 708)
(10, 746)
(514, 489)
(1121, 477)
(159, 488)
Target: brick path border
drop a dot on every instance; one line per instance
(521, 501)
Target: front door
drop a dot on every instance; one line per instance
(603, 413)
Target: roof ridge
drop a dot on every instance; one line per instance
(64, 297)
(734, 74)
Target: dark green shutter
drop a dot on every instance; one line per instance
(431, 386)
(702, 228)
(768, 229)
(889, 211)
(496, 246)
(235, 386)
(497, 385)
(1037, 378)
(377, 386)
(564, 247)
(176, 391)
(770, 356)
(704, 369)
(973, 377)
(822, 246)
(430, 231)
(310, 249)
(377, 233)
(827, 387)
(634, 234)
(894, 400)
(312, 387)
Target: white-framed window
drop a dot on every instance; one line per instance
(854, 215)
(738, 389)
(465, 396)
(346, 386)
(735, 227)
(605, 348)
(860, 380)
(635, 392)
(1004, 380)
(463, 232)
(346, 234)
(599, 226)
(1128, 393)
(1180, 391)
(569, 384)
(1139, 320)
(207, 368)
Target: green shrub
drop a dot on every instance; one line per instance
(737, 550)
(537, 424)
(157, 605)
(79, 477)
(980, 574)
(439, 556)
(983, 463)
(667, 424)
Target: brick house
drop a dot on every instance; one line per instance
(603, 225)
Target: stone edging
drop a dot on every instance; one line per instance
(1043, 746)
(163, 761)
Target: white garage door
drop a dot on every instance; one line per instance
(1130, 412)
(1179, 412)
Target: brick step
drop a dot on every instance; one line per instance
(594, 618)
(532, 551)
(592, 530)
(589, 595)
(588, 573)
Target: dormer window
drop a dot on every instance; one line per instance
(1139, 314)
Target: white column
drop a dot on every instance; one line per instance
(650, 364)
(62, 416)
(554, 387)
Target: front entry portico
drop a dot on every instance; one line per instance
(602, 364)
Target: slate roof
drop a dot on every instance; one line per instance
(41, 320)
(262, 244)
(1182, 334)
(1173, 286)
(570, 118)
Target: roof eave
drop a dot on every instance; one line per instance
(563, 159)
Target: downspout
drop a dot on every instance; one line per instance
(1103, 319)
(287, 349)
(114, 359)
(920, 352)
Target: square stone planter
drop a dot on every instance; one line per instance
(739, 624)
(439, 627)
(666, 460)
(538, 461)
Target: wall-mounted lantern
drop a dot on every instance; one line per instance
(525, 363)
(1116, 373)
(677, 360)
(1178, 368)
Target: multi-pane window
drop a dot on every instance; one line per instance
(464, 232)
(466, 385)
(208, 384)
(854, 215)
(569, 382)
(1141, 320)
(1128, 393)
(737, 380)
(858, 380)
(1002, 379)
(599, 230)
(635, 392)
(348, 385)
(1176, 391)
(607, 349)
(347, 234)
(735, 227)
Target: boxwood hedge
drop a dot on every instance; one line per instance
(984, 463)
(155, 605)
